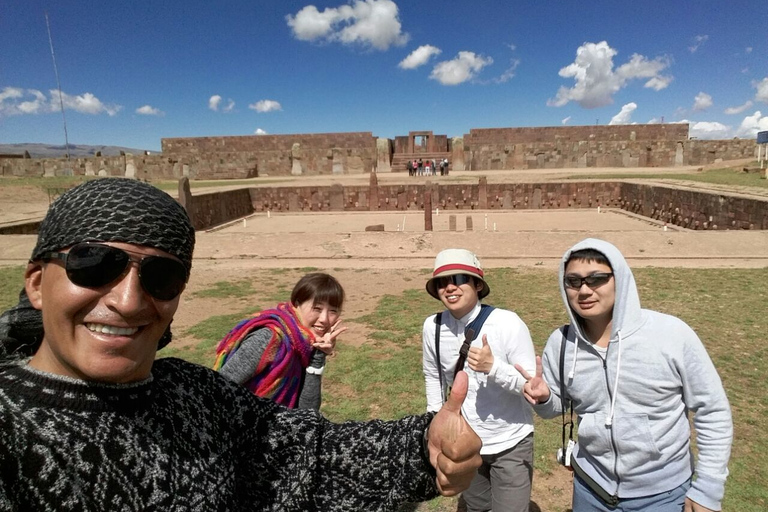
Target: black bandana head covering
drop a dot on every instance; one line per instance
(102, 210)
(117, 210)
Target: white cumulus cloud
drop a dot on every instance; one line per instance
(464, 67)
(565, 120)
(710, 130)
(213, 102)
(419, 57)
(753, 124)
(625, 115)
(762, 90)
(702, 101)
(259, 131)
(148, 110)
(265, 106)
(597, 80)
(739, 109)
(17, 101)
(697, 42)
(373, 23)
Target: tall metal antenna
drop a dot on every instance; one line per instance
(58, 84)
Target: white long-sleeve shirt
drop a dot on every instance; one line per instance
(494, 407)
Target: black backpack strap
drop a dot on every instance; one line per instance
(470, 333)
(438, 323)
(564, 330)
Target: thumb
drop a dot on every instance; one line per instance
(485, 340)
(458, 393)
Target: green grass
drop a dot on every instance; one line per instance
(227, 289)
(716, 176)
(11, 283)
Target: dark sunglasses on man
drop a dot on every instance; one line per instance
(592, 281)
(456, 280)
(93, 265)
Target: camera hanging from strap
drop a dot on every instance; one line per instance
(609, 499)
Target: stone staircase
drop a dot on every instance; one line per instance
(399, 160)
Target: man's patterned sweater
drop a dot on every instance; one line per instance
(188, 439)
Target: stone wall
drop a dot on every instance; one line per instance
(686, 208)
(601, 153)
(273, 155)
(145, 167)
(216, 208)
(551, 134)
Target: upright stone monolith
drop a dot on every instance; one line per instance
(469, 223)
(451, 223)
(373, 193)
(185, 194)
(427, 210)
(296, 169)
(482, 193)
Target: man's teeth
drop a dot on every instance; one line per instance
(110, 329)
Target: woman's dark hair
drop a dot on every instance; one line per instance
(318, 287)
(589, 255)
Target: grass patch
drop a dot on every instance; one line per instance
(731, 177)
(227, 289)
(11, 283)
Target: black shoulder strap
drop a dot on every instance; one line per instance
(438, 323)
(564, 330)
(472, 330)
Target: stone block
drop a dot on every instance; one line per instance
(375, 227)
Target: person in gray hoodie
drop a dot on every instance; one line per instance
(631, 375)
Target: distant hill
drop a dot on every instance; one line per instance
(75, 150)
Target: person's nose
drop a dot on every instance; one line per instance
(325, 317)
(126, 294)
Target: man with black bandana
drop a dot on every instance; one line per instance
(89, 420)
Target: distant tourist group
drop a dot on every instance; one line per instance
(428, 167)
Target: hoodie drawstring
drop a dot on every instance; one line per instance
(572, 373)
(609, 419)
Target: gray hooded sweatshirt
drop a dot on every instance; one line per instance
(632, 404)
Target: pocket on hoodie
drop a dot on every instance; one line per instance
(594, 437)
(634, 441)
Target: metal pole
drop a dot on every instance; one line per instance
(58, 84)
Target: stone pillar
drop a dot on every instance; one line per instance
(337, 197)
(679, 157)
(482, 193)
(296, 169)
(427, 209)
(451, 223)
(456, 163)
(130, 166)
(469, 223)
(536, 199)
(373, 193)
(338, 162)
(383, 163)
(89, 169)
(185, 195)
(507, 201)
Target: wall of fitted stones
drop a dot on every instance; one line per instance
(686, 208)
(551, 134)
(271, 155)
(216, 208)
(566, 154)
(143, 167)
(694, 210)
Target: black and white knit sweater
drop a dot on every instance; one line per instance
(188, 439)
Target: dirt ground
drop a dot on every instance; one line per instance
(371, 264)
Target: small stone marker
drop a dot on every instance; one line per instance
(451, 223)
(469, 223)
(375, 227)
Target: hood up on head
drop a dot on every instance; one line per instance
(627, 314)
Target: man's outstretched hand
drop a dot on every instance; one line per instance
(535, 390)
(454, 448)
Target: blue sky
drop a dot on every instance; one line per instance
(134, 71)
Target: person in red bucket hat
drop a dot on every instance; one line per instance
(485, 342)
